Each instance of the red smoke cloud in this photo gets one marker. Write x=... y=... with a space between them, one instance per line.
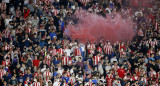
x=92 y=27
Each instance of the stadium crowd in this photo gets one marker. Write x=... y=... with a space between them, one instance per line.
x=35 y=52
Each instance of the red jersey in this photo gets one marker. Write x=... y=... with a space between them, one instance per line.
x=6 y=62
x=47 y=73
x=96 y=59
x=28 y=30
x=65 y=60
x=91 y=46
x=7 y=47
x=26 y=82
x=91 y=51
x=152 y=74
x=77 y=52
x=2 y=72
x=36 y=74
x=55 y=12
x=149 y=53
x=99 y=49
x=121 y=72
x=60 y=51
x=36 y=84
x=158 y=75
x=84 y=2
x=26 y=13
x=122 y=54
x=120 y=47
x=36 y=63
x=134 y=78
x=6 y=33
x=48 y=60
x=108 y=49
x=109 y=81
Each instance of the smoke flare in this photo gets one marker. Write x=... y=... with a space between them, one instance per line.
x=93 y=27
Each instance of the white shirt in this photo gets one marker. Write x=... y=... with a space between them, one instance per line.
x=108 y=68
x=7 y=21
x=83 y=47
x=43 y=69
x=109 y=10
x=100 y=68
x=56 y=83
x=113 y=59
x=60 y=71
x=73 y=48
x=68 y=51
x=73 y=79
x=138 y=12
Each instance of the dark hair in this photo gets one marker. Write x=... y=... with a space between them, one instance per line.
x=7 y=57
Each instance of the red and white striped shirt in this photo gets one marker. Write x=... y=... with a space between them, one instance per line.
x=99 y=49
x=134 y=78
x=28 y=30
x=55 y=12
x=48 y=59
x=72 y=80
x=84 y=2
x=144 y=80
x=27 y=81
x=65 y=60
x=108 y=49
x=68 y=74
x=7 y=55
x=36 y=84
x=6 y=62
x=7 y=47
x=154 y=43
x=156 y=26
x=91 y=51
x=47 y=1
x=115 y=68
x=152 y=73
x=47 y=73
x=60 y=51
x=127 y=78
x=91 y=46
x=109 y=81
x=109 y=76
x=45 y=8
x=158 y=75
x=6 y=33
x=122 y=54
x=77 y=52
x=88 y=84
x=96 y=59
x=36 y=74
x=150 y=52
x=2 y=72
